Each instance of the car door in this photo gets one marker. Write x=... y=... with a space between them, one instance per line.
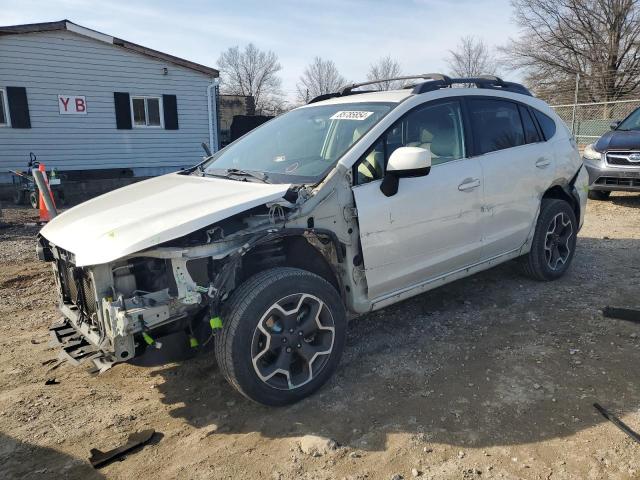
x=517 y=168
x=430 y=226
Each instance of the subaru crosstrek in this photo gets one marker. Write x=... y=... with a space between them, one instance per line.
x=346 y=205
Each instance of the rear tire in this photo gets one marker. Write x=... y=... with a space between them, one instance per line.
x=554 y=241
x=599 y=195
x=283 y=334
x=19 y=197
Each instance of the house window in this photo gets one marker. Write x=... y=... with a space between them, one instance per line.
x=4 y=109
x=146 y=111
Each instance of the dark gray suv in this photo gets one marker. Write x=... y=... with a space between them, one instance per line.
x=613 y=162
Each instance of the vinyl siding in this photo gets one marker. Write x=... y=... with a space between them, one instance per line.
x=53 y=63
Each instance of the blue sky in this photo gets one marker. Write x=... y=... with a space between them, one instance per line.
x=353 y=33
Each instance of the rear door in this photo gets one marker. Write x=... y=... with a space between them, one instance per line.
x=517 y=166
x=430 y=226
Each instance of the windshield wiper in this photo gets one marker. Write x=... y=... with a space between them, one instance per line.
x=247 y=173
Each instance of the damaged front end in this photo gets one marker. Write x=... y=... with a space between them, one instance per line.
x=113 y=312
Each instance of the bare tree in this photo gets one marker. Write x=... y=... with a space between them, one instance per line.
x=385 y=67
x=597 y=39
x=252 y=71
x=471 y=58
x=320 y=77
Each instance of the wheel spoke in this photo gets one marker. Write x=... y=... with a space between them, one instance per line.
x=309 y=352
x=310 y=323
x=280 y=364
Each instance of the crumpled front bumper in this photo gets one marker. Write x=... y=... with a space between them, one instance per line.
x=607 y=178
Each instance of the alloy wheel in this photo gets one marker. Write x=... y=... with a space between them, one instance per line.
x=293 y=341
x=557 y=247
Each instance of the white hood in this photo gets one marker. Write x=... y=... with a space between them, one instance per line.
x=151 y=212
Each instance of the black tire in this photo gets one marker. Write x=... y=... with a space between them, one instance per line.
x=599 y=195
x=552 y=249
x=19 y=197
x=243 y=350
x=33 y=200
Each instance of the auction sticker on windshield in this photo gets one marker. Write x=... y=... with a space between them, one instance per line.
x=351 y=115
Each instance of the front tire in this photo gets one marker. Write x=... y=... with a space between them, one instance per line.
x=599 y=195
x=554 y=241
x=283 y=334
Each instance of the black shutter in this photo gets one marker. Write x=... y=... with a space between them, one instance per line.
x=18 y=107
x=123 y=110
x=170 y=108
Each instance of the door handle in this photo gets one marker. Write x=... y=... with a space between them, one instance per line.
x=543 y=162
x=469 y=184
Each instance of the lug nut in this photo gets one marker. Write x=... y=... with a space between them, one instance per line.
x=288 y=349
x=299 y=346
x=284 y=340
x=291 y=330
x=299 y=334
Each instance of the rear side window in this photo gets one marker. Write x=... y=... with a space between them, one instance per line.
x=546 y=123
x=496 y=125
x=531 y=134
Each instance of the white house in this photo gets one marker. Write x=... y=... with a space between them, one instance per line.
x=83 y=101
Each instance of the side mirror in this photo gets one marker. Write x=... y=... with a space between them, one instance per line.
x=405 y=162
x=613 y=125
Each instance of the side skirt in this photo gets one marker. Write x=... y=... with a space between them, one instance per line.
x=424 y=286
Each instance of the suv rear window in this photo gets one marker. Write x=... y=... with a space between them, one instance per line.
x=496 y=125
x=546 y=123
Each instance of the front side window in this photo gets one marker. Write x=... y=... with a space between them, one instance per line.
x=301 y=145
x=4 y=114
x=146 y=111
x=436 y=127
x=496 y=125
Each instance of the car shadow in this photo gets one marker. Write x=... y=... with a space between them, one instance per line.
x=626 y=200
x=28 y=461
x=493 y=359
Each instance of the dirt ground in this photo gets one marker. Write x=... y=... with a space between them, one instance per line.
x=493 y=376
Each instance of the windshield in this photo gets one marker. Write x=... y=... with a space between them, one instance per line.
x=299 y=146
x=632 y=122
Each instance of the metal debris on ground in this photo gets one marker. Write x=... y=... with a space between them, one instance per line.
x=99 y=458
x=628 y=314
x=617 y=422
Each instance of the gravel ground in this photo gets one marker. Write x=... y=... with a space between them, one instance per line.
x=493 y=376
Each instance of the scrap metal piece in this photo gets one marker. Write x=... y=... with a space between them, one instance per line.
x=628 y=314
x=99 y=458
x=617 y=422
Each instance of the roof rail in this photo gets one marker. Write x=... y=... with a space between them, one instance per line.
x=433 y=81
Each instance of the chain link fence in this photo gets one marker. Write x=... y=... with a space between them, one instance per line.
x=588 y=121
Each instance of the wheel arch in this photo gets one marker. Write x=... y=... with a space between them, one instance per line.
x=309 y=250
x=564 y=192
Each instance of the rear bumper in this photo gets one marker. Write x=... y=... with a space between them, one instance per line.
x=606 y=178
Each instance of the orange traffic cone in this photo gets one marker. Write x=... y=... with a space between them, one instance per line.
x=44 y=213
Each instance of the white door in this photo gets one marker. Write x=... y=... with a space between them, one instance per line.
x=517 y=167
x=430 y=226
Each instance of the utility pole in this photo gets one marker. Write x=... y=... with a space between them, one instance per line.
x=575 y=106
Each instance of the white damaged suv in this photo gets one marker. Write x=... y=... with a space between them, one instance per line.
x=351 y=203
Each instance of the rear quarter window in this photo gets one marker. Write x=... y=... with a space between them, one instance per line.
x=496 y=125
x=547 y=124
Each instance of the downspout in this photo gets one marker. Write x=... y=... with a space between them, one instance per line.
x=212 y=107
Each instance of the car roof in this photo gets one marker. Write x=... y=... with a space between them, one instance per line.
x=388 y=96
